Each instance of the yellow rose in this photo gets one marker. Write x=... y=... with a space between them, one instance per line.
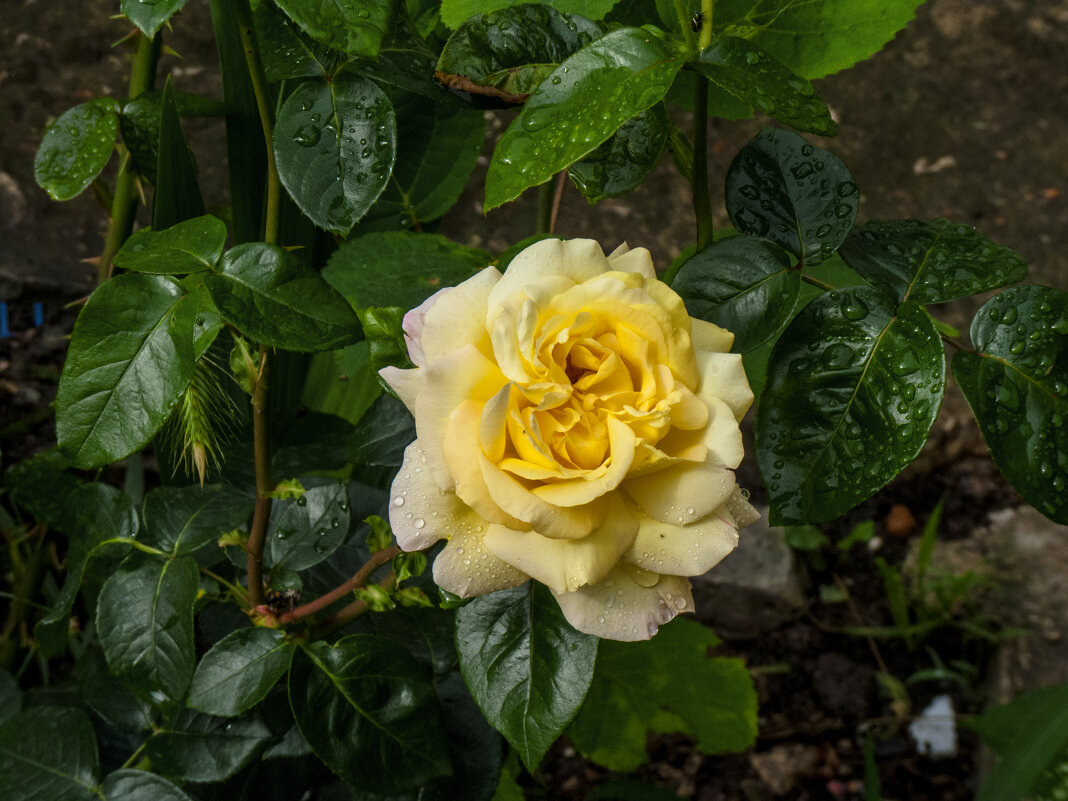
x=576 y=426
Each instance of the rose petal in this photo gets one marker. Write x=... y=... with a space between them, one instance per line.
x=684 y=550
x=741 y=510
x=406 y=383
x=710 y=337
x=626 y=260
x=459 y=317
x=578 y=491
x=576 y=259
x=723 y=377
x=619 y=608
x=412 y=325
x=682 y=493
x=563 y=564
x=449 y=381
x=419 y=511
x=466 y=567
x=721 y=438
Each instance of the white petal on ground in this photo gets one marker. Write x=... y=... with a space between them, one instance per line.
x=563 y=564
x=684 y=550
x=683 y=493
x=620 y=608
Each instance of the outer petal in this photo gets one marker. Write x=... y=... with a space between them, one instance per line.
x=621 y=608
x=721 y=437
x=413 y=327
x=576 y=259
x=709 y=336
x=466 y=567
x=723 y=377
x=682 y=493
x=459 y=317
x=684 y=550
x=626 y=260
x=420 y=513
x=563 y=564
x=406 y=383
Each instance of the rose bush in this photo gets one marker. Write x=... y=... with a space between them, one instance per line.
x=576 y=426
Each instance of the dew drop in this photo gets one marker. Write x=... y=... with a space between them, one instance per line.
x=418 y=522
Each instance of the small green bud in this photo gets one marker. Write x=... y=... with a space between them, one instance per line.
x=380 y=536
x=376 y=598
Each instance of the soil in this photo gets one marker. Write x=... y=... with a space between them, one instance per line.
x=964 y=115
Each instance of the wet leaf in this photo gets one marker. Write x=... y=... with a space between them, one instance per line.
x=287 y=51
x=795 y=194
x=508 y=52
x=1017 y=385
x=623 y=162
x=76 y=147
x=744 y=284
x=353 y=28
x=272 y=297
x=130 y=358
x=194 y=747
x=399 y=269
x=139 y=122
x=335 y=144
x=582 y=103
x=187 y=247
x=454 y=12
x=746 y=71
x=177 y=196
x=149 y=15
x=138 y=785
x=369 y=712
x=854 y=385
x=526 y=667
x=307 y=530
x=239 y=671
x=48 y=753
x=183 y=519
x=929 y=261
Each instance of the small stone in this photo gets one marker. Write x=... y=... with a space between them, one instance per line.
x=900 y=522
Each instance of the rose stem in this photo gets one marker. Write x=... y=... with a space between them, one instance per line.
x=348 y=614
x=264 y=483
x=359 y=579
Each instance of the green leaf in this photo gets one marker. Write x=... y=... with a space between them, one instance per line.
x=201 y=748
x=854 y=385
x=10 y=696
x=137 y=785
x=149 y=15
x=99 y=512
x=368 y=712
x=746 y=71
x=819 y=37
x=177 y=196
x=130 y=357
x=404 y=60
x=1028 y=734
x=795 y=194
x=286 y=51
x=506 y=53
x=383 y=433
x=48 y=753
x=270 y=296
x=182 y=519
x=623 y=162
x=239 y=671
x=113 y=702
x=1017 y=385
x=353 y=28
x=76 y=147
x=341 y=382
x=437 y=148
x=929 y=261
x=599 y=88
x=667 y=684
x=526 y=667
x=307 y=530
x=335 y=143
x=41 y=485
x=454 y=12
x=187 y=247
x=744 y=284
x=144 y=619
x=139 y=121
x=399 y=269
x=208 y=321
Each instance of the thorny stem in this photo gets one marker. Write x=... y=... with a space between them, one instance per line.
x=124 y=200
x=348 y=614
x=262 y=455
x=359 y=579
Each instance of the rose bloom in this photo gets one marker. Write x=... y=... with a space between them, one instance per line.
x=574 y=425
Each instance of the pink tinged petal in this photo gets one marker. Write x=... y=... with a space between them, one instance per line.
x=625 y=605
x=582 y=490
x=458 y=318
x=683 y=493
x=723 y=377
x=626 y=260
x=567 y=564
x=406 y=383
x=412 y=325
x=710 y=337
x=419 y=511
x=684 y=550
x=466 y=567
x=462 y=375
x=462 y=454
